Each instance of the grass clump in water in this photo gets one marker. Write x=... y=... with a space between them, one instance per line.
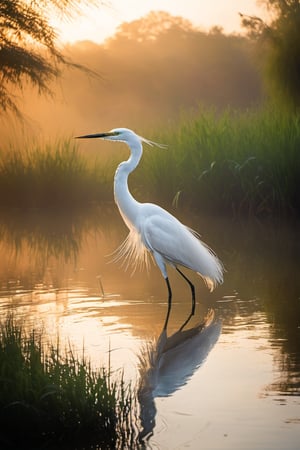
x=51 y=176
x=52 y=399
x=236 y=163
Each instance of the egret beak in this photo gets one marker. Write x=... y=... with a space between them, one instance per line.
x=94 y=136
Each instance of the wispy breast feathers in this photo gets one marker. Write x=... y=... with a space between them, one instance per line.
x=133 y=252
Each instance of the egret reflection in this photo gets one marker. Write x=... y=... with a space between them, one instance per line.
x=168 y=363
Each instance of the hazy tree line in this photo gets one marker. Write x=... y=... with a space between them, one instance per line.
x=151 y=70
x=279 y=49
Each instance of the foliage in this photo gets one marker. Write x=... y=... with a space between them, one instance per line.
x=235 y=163
x=28 y=50
x=141 y=83
x=151 y=27
x=281 y=48
x=53 y=398
x=200 y=55
x=55 y=176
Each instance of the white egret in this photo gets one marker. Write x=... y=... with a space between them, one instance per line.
x=153 y=230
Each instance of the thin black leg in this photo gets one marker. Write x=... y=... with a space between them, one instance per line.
x=193 y=297
x=169 y=302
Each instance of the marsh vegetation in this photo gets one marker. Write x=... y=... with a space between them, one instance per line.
x=233 y=137
x=52 y=284
x=51 y=397
x=232 y=163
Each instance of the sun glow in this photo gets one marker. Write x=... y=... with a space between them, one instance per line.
x=98 y=23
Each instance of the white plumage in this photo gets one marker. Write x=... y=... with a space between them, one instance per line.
x=153 y=230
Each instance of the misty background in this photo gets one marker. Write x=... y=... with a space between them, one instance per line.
x=151 y=70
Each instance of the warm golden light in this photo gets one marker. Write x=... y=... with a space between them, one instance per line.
x=96 y=24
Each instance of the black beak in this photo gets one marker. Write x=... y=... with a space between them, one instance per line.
x=93 y=136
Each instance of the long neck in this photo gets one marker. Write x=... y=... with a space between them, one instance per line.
x=123 y=198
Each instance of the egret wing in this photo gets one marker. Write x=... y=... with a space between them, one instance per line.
x=164 y=234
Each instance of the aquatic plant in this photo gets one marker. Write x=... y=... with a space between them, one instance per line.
x=234 y=163
x=50 y=397
x=51 y=176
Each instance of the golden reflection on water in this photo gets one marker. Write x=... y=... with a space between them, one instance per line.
x=56 y=275
x=168 y=362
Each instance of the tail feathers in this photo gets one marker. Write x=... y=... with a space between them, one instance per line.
x=213 y=275
x=205 y=262
x=212 y=283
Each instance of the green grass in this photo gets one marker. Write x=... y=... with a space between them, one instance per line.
x=51 y=176
x=54 y=399
x=233 y=163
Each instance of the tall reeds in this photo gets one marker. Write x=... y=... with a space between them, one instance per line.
x=53 y=398
x=51 y=176
x=238 y=163
x=235 y=163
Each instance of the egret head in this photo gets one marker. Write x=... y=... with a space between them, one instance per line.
x=117 y=134
x=120 y=134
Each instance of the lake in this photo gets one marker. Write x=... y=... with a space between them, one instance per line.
x=229 y=380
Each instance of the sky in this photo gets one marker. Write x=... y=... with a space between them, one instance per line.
x=98 y=23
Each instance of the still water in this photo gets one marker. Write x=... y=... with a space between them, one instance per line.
x=229 y=380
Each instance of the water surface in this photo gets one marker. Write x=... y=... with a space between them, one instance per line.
x=233 y=384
